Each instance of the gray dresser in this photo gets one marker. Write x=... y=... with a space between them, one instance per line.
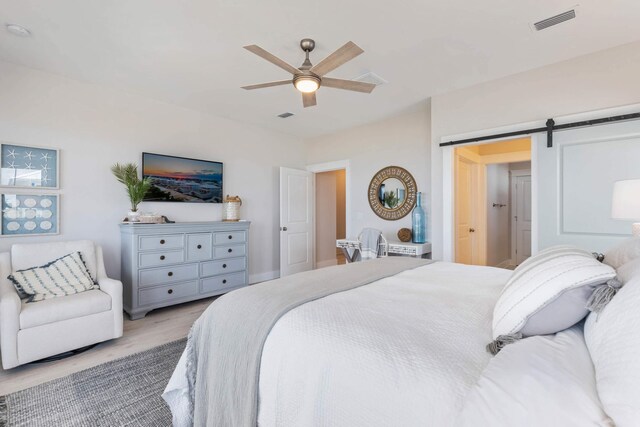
x=167 y=264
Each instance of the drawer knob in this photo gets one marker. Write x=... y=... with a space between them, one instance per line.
x=224 y=265
x=170 y=291
x=162 y=242
x=170 y=273
x=230 y=237
x=199 y=246
x=224 y=281
x=230 y=250
x=161 y=257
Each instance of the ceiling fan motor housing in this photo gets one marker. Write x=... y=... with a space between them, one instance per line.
x=307 y=44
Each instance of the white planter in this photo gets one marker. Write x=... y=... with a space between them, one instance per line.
x=133 y=216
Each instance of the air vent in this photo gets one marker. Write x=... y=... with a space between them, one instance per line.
x=555 y=20
x=285 y=115
x=371 y=77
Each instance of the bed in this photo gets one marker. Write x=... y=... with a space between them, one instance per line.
x=403 y=350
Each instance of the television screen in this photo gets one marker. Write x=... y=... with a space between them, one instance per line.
x=178 y=179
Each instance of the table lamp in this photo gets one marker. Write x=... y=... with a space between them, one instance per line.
x=626 y=202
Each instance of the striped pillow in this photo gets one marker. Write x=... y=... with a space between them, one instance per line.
x=549 y=292
x=64 y=276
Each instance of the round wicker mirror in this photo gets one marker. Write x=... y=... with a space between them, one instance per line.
x=392 y=193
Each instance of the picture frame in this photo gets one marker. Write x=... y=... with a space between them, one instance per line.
x=26 y=214
x=27 y=166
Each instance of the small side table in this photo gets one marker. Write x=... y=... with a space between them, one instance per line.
x=416 y=250
x=345 y=245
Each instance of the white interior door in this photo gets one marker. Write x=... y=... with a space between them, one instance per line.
x=522 y=217
x=296 y=221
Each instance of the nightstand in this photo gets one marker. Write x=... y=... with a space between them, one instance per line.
x=416 y=250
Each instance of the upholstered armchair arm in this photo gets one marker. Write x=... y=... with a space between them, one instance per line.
x=10 y=306
x=111 y=287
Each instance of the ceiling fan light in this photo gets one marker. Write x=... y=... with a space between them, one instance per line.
x=307 y=84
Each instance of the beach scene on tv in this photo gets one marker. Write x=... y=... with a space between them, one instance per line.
x=176 y=179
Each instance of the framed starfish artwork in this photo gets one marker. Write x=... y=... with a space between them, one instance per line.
x=28 y=167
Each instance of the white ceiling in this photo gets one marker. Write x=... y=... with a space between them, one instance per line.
x=190 y=52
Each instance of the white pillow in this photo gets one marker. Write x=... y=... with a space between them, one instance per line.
x=549 y=292
x=624 y=252
x=613 y=339
x=538 y=381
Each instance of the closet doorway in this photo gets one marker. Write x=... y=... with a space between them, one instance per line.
x=492 y=203
x=331 y=217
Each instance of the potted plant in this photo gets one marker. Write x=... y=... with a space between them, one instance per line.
x=127 y=174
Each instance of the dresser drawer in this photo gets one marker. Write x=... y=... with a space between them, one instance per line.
x=218 y=283
x=229 y=238
x=176 y=273
x=228 y=251
x=155 y=259
x=199 y=246
x=170 y=241
x=212 y=268
x=162 y=294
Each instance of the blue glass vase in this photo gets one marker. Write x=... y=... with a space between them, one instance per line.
x=418 y=222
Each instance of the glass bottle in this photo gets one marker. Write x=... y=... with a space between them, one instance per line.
x=418 y=222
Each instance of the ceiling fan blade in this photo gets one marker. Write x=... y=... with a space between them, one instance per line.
x=348 y=85
x=309 y=99
x=271 y=58
x=346 y=53
x=261 y=85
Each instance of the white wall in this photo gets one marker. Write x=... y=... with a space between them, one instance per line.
x=95 y=127
x=593 y=82
x=498 y=233
x=399 y=141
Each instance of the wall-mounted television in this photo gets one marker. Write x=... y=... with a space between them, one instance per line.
x=179 y=179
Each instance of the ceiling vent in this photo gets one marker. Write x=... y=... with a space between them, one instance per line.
x=555 y=20
x=285 y=115
x=372 y=78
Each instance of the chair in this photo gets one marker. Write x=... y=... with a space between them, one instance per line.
x=359 y=252
x=37 y=330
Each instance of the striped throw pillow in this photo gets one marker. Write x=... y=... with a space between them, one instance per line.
x=64 y=276
x=549 y=292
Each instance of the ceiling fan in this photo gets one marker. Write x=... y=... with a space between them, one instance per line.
x=308 y=77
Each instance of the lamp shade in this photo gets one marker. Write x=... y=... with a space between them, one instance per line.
x=626 y=200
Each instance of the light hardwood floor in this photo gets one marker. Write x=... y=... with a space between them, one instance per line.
x=158 y=327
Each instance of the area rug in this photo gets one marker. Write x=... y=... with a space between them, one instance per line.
x=123 y=392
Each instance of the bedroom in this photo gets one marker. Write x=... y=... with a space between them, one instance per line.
x=103 y=83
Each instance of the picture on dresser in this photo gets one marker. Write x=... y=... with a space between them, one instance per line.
x=28 y=167
x=30 y=214
x=180 y=179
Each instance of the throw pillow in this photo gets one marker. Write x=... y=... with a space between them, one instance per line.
x=546 y=294
x=64 y=276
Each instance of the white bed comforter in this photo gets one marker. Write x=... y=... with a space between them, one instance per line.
x=402 y=351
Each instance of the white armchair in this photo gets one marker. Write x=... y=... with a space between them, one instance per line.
x=41 y=329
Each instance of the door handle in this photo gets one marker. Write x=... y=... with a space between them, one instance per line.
x=283 y=228
x=472 y=230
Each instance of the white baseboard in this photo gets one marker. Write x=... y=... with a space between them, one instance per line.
x=263 y=277
x=327 y=263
